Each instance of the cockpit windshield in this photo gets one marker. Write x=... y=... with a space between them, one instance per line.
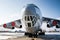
x=30 y=18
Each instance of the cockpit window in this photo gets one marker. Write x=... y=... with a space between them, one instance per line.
x=28 y=18
x=29 y=24
x=25 y=18
x=31 y=18
x=34 y=20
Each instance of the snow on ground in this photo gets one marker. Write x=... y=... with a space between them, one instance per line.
x=6 y=37
x=15 y=35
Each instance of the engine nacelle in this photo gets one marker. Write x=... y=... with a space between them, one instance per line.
x=9 y=25
x=52 y=23
x=57 y=26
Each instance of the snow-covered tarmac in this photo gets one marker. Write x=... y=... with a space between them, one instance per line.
x=4 y=36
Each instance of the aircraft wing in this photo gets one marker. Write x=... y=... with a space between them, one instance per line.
x=13 y=24
x=51 y=22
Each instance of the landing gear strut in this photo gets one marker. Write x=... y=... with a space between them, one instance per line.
x=34 y=35
x=31 y=35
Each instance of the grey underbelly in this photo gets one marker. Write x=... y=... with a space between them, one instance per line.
x=31 y=29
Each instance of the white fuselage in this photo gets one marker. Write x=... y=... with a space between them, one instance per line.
x=32 y=18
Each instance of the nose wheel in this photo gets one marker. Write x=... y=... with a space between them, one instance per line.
x=33 y=39
x=31 y=35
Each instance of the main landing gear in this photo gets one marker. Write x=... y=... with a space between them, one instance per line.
x=35 y=35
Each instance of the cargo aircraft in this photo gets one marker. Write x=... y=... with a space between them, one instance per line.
x=32 y=20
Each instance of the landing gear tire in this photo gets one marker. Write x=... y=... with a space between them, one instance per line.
x=35 y=36
x=30 y=35
x=12 y=27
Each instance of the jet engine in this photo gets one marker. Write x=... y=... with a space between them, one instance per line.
x=10 y=25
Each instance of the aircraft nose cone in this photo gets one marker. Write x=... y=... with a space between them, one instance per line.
x=30 y=9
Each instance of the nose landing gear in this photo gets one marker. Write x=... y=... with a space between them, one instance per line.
x=31 y=35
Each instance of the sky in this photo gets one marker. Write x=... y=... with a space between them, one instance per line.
x=11 y=9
